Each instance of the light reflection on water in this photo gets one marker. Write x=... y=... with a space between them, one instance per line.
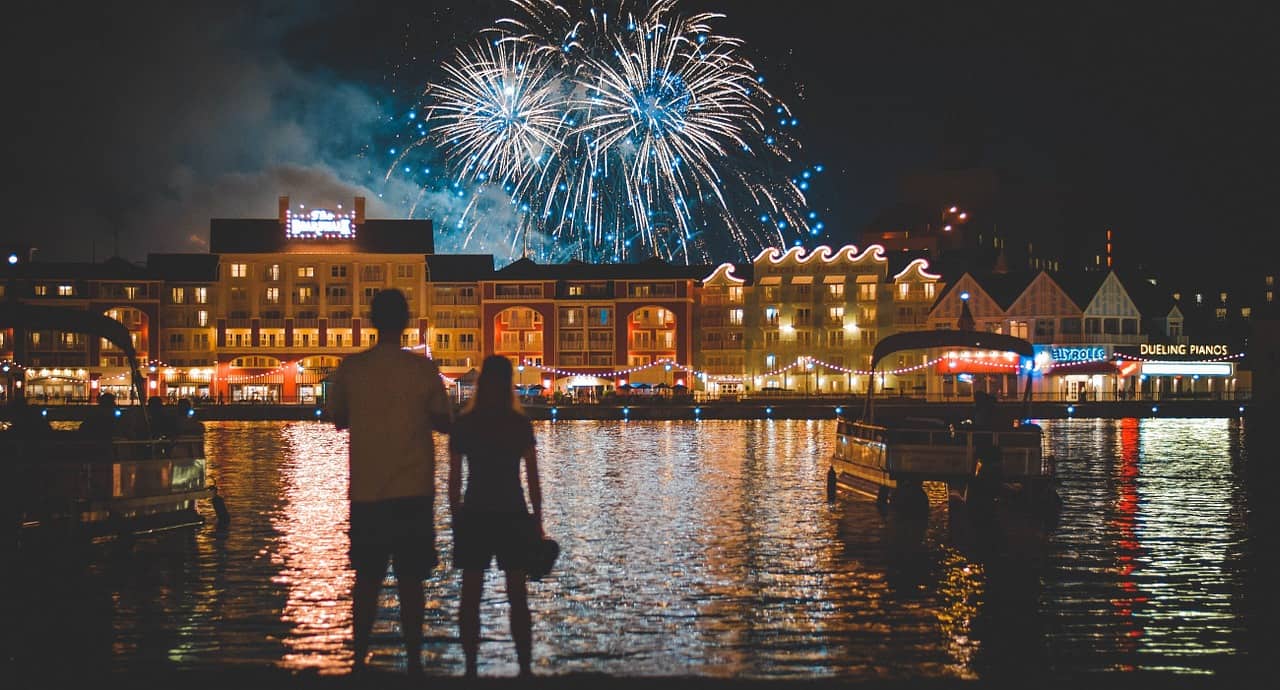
x=701 y=548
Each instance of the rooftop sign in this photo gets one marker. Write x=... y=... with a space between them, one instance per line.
x=320 y=224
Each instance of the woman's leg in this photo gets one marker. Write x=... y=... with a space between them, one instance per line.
x=521 y=620
x=469 y=616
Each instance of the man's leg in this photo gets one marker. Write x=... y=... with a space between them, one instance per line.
x=412 y=603
x=364 y=608
x=521 y=620
x=469 y=616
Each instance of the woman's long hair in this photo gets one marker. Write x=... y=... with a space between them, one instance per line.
x=495 y=388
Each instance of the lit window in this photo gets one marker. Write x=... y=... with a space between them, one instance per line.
x=1246 y=311
x=735 y=317
x=1222 y=296
x=929 y=289
x=202 y=318
x=903 y=290
x=239 y=270
x=273 y=295
x=42 y=290
x=201 y=295
x=273 y=272
x=335 y=271
x=66 y=291
x=131 y=291
x=178 y=295
x=305 y=272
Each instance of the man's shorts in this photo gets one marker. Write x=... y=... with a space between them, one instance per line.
x=479 y=536
x=399 y=530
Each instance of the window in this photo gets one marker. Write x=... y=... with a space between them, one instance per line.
x=770 y=361
x=770 y=338
x=1044 y=328
x=1222 y=297
x=804 y=338
x=1111 y=326
x=804 y=292
x=600 y=316
x=373 y=273
x=835 y=339
x=770 y=293
x=929 y=290
x=735 y=317
x=1270 y=281
x=176 y=341
x=735 y=293
x=1092 y=326
x=132 y=291
x=1220 y=313
x=575 y=291
x=904 y=290
x=1128 y=326
x=239 y=270
x=640 y=290
x=66 y=290
x=804 y=317
x=835 y=315
x=369 y=293
x=178 y=295
x=200 y=341
x=239 y=294
x=305 y=272
x=338 y=271
x=306 y=294
x=1071 y=326
x=771 y=316
x=867 y=291
x=835 y=290
x=201 y=295
x=1018 y=329
x=466 y=341
x=1270 y=295
x=42 y=290
x=273 y=272
x=371 y=339
x=202 y=318
x=273 y=295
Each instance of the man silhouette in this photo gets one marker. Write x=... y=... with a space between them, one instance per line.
x=391 y=400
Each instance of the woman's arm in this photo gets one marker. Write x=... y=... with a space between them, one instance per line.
x=455 y=482
x=535 y=484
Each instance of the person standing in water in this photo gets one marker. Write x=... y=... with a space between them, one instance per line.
x=494 y=435
x=391 y=400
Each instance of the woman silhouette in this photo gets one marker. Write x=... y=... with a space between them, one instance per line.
x=493 y=434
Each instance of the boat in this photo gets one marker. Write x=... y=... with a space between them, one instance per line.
x=64 y=485
x=984 y=463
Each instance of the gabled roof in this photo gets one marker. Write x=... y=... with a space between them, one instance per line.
x=195 y=268
x=1080 y=286
x=1151 y=301
x=459 y=268
x=657 y=269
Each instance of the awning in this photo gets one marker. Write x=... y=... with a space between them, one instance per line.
x=832 y=279
x=1082 y=368
x=802 y=280
x=770 y=280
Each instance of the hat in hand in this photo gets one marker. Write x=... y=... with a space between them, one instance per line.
x=545 y=552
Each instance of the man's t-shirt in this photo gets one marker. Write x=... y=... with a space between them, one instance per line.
x=388 y=396
x=492 y=445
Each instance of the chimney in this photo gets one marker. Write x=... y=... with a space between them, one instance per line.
x=359 y=210
x=284 y=209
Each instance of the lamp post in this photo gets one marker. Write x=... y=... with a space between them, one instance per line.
x=808 y=365
x=667 y=366
x=520 y=379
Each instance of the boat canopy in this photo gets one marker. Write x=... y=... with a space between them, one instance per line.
x=30 y=317
x=918 y=340
x=24 y=318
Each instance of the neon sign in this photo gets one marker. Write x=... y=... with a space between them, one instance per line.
x=1077 y=354
x=320 y=224
x=1182 y=349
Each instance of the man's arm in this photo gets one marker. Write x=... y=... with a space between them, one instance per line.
x=337 y=402
x=438 y=407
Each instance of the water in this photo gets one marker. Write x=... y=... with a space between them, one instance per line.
x=697 y=548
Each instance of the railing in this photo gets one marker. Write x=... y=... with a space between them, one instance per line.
x=339 y=300
x=306 y=323
x=339 y=322
x=271 y=323
x=454 y=299
x=238 y=323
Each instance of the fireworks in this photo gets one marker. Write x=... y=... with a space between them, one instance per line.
x=618 y=136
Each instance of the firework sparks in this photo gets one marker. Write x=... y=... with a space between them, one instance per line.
x=620 y=135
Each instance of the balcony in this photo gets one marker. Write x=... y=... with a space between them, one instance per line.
x=271 y=323
x=600 y=345
x=446 y=299
x=339 y=300
x=238 y=323
x=306 y=323
x=457 y=322
x=573 y=345
x=339 y=322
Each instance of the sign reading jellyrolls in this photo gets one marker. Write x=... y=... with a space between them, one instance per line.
x=1077 y=354
x=1182 y=350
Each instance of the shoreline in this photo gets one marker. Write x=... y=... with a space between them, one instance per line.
x=765 y=409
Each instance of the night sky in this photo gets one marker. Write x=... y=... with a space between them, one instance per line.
x=134 y=125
